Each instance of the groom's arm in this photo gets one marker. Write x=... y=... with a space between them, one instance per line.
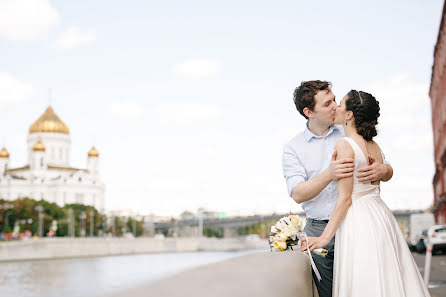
x=307 y=190
x=302 y=189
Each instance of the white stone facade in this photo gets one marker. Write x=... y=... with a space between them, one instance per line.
x=48 y=175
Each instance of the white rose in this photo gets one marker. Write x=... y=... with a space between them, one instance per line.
x=274 y=229
x=285 y=220
x=289 y=230
x=295 y=220
x=280 y=245
x=281 y=237
x=279 y=226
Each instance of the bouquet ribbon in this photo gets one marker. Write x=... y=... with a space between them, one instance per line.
x=313 y=265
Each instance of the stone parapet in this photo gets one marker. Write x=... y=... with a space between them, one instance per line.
x=267 y=274
x=59 y=248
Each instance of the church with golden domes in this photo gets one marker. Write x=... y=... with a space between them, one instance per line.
x=48 y=174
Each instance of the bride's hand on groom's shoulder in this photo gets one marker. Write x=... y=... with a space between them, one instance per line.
x=313 y=243
x=341 y=168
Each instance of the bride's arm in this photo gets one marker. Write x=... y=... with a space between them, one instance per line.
x=345 y=188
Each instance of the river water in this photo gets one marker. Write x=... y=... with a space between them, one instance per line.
x=96 y=276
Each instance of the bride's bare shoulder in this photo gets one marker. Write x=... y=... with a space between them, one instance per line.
x=372 y=144
x=374 y=150
x=344 y=149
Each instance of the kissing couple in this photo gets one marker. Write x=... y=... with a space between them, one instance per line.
x=333 y=169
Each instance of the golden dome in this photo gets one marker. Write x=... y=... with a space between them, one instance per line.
x=49 y=121
x=4 y=153
x=38 y=146
x=93 y=152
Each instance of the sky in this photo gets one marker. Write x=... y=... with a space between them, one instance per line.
x=189 y=103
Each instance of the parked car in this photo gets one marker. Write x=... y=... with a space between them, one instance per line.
x=418 y=224
x=437 y=236
x=420 y=247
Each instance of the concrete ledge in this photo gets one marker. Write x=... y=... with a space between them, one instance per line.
x=59 y=248
x=268 y=274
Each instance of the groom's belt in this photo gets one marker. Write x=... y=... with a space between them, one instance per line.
x=317 y=221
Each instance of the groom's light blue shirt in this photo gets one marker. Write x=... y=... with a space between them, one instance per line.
x=304 y=157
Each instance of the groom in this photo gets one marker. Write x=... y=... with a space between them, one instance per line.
x=310 y=167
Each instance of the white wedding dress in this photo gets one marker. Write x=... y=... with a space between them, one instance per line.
x=371 y=255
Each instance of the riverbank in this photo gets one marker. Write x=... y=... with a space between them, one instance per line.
x=65 y=248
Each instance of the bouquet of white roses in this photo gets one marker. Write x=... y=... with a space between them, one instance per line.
x=287 y=233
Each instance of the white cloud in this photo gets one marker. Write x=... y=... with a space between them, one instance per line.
x=12 y=90
x=197 y=68
x=186 y=112
x=26 y=19
x=74 y=37
x=126 y=110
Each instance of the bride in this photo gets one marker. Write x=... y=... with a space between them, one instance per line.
x=371 y=255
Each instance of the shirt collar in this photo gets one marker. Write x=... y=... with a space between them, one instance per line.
x=309 y=135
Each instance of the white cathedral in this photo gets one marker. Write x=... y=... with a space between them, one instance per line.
x=48 y=175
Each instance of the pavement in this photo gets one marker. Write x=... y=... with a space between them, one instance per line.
x=437 y=280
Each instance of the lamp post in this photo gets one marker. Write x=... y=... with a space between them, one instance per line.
x=200 y=225
x=39 y=209
x=83 y=218
x=113 y=226
x=70 y=223
x=104 y=225
x=91 y=223
x=134 y=226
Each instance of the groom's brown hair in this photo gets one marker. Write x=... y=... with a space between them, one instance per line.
x=304 y=94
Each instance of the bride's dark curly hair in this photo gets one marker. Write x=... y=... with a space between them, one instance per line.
x=365 y=108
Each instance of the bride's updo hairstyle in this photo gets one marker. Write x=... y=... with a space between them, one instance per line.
x=365 y=109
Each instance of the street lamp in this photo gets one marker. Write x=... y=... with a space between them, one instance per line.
x=135 y=221
x=83 y=220
x=113 y=226
x=104 y=225
x=70 y=223
x=39 y=209
x=134 y=226
x=91 y=222
x=200 y=225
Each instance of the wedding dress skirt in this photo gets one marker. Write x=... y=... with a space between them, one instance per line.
x=371 y=255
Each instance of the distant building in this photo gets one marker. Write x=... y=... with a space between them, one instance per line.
x=437 y=94
x=121 y=213
x=48 y=174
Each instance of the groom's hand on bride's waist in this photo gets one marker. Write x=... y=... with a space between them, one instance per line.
x=341 y=168
x=373 y=172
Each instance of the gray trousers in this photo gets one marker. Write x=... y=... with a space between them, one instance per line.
x=324 y=265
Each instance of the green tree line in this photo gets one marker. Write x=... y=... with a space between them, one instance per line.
x=21 y=210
